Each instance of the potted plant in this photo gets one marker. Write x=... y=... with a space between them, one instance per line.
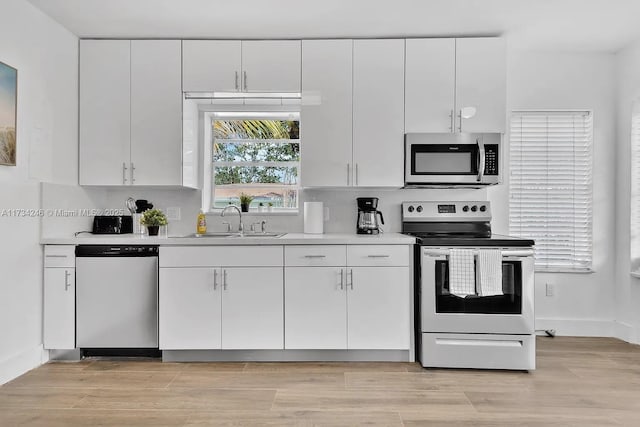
x=260 y=207
x=245 y=201
x=153 y=219
x=270 y=207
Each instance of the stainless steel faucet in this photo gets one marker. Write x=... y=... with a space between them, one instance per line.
x=240 y=225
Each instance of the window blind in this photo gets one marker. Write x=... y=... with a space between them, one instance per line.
x=550 y=193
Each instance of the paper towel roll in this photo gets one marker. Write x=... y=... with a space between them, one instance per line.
x=313 y=217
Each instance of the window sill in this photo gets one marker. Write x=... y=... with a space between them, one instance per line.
x=565 y=270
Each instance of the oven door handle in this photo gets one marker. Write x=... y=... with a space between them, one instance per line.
x=505 y=252
x=481 y=159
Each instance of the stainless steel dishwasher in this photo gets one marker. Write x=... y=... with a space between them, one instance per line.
x=117 y=297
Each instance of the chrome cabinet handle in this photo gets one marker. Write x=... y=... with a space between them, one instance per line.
x=133 y=168
x=55 y=256
x=315 y=256
x=451 y=123
x=348 y=172
x=124 y=173
x=237 y=85
x=350 y=274
x=245 y=81
x=215 y=279
x=224 y=279
x=460 y=123
x=378 y=256
x=66 y=280
x=342 y=279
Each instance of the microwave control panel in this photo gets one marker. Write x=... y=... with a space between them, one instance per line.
x=491 y=159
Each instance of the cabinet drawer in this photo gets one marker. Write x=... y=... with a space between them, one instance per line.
x=60 y=256
x=377 y=255
x=315 y=255
x=221 y=256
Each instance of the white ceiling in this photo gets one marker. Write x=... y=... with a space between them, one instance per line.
x=582 y=25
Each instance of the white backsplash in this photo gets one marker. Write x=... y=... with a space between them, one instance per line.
x=340 y=203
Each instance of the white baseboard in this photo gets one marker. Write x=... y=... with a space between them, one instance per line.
x=23 y=362
x=625 y=332
x=578 y=327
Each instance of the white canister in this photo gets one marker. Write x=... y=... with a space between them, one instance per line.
x=313 y=217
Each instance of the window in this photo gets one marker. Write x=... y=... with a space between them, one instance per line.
x=257 y=154
x=550 y=193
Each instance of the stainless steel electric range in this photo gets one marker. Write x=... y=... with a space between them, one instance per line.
x=474 y=289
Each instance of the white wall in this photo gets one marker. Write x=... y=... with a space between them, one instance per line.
x=583 y=304
x=45 y=55
x=627 y=287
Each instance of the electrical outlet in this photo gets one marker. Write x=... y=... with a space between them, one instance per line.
x=550 y=289
x=173 y=214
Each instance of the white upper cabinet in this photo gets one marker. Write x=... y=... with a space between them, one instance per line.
x=271 y=65
x=481 y=75
x=130 y=112
x=430 y=85
x=378 y=113
x=326 y=151
x=156 y=113
x=455 y=85
x=209 y=65
x=105 y=115
x=241 y=66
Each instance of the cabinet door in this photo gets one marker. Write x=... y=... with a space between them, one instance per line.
x=211 y=65
x=252 y=312
x=105 y=123
x=189 y=308
x=59 y=308
x=326 y=113
x=430 y=85
x=378 y=112
x=378 y=301
x=271 y=65
x=481 y=83
x=156 y=112
x=315 y=308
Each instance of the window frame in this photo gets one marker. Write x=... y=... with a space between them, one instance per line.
x=242 y=112
x=589 y=186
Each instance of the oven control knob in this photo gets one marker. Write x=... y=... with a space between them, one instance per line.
x=410 y=209
x=483 y=208
x=419 y=209
x=474 y=208
x=465 y=208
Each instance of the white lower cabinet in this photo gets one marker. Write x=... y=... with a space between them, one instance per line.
x=316 y=308
x=364 y=303
x=209 y=307
x=378 y=301
x=190 y=307
x=59 y=324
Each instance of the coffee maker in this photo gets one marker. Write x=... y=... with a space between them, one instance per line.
x=368 y=215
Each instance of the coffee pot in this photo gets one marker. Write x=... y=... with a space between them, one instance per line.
x=368 y=214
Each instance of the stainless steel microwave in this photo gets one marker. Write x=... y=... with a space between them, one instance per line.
x=452 y=159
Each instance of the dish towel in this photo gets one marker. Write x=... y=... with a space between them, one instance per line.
x=490 y=282
x=462 y=280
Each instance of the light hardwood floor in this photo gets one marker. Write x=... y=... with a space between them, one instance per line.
x=579 y=381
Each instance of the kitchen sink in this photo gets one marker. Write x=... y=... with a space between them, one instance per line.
x=232 y=235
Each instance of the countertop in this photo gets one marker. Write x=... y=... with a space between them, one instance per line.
x=287 y=239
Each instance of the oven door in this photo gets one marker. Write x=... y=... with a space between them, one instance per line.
x=509 y=313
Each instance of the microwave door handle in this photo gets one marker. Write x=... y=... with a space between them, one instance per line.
x=481 y=160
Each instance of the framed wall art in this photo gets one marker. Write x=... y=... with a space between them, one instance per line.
x=8 y=113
